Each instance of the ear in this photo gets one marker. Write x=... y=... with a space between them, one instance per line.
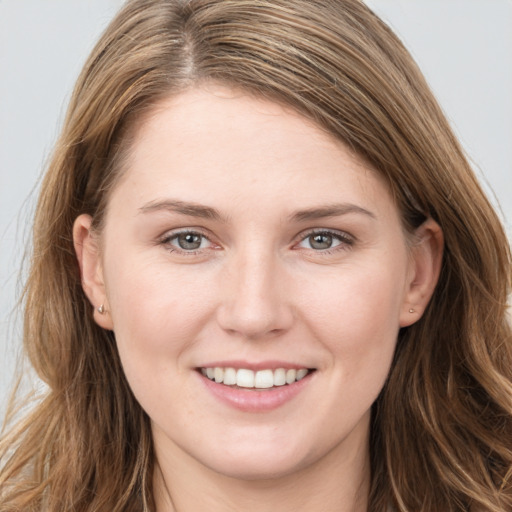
x=88 y=254
x=425 y=266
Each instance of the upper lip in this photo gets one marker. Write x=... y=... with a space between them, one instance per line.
x=255 y=366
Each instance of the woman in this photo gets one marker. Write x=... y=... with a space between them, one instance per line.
x=264 y=277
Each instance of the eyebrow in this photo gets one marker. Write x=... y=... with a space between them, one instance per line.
x=182 y=207
x=333 y=210
x=206 y=212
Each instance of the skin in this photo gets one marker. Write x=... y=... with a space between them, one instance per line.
x=258 y=288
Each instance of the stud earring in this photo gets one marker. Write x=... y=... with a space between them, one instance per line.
x=101 y=310
x=411 y=310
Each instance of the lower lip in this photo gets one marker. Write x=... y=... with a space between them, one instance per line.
x=253 y=400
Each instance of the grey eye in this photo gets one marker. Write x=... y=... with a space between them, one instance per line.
x=189 y=241
x=320 y=241
x=325 y=240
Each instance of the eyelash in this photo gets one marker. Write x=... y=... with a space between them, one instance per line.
x=345 y=241
x=168 y=238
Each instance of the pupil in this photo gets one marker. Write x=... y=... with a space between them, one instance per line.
x=189 y=241
x=321 y=241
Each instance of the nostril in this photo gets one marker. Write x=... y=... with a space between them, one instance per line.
x=255 y=323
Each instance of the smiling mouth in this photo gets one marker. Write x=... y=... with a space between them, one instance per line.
x=249 y=379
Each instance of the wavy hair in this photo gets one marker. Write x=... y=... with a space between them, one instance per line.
x=441 y=436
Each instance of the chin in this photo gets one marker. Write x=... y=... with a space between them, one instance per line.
x=251 y=471
x=258 y=463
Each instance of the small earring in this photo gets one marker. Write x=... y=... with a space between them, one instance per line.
x=411 y=310
x=101 y=310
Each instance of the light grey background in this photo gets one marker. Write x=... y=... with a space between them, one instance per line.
x=463 y=46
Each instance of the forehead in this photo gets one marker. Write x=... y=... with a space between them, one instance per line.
x=227 y=144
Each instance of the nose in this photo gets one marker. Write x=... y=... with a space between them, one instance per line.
x=254 y=302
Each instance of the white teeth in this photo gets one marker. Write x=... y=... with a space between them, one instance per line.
x=245 y=378
x=279 y=377
x=291 y=376
x=229 y=376
x=219 y=374
x=262 y=379
x=301 y=373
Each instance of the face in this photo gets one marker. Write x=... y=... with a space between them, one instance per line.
x=255 y=274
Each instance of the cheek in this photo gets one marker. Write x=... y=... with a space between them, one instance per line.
x=155 y=312
x=155 y=317
x=358 y=328
x=150 y=292
x=366 y=299
x=356 y=316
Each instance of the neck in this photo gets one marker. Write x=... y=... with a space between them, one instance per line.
x=335 y=483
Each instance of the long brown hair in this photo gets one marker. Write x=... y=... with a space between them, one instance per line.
x=442 y=427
